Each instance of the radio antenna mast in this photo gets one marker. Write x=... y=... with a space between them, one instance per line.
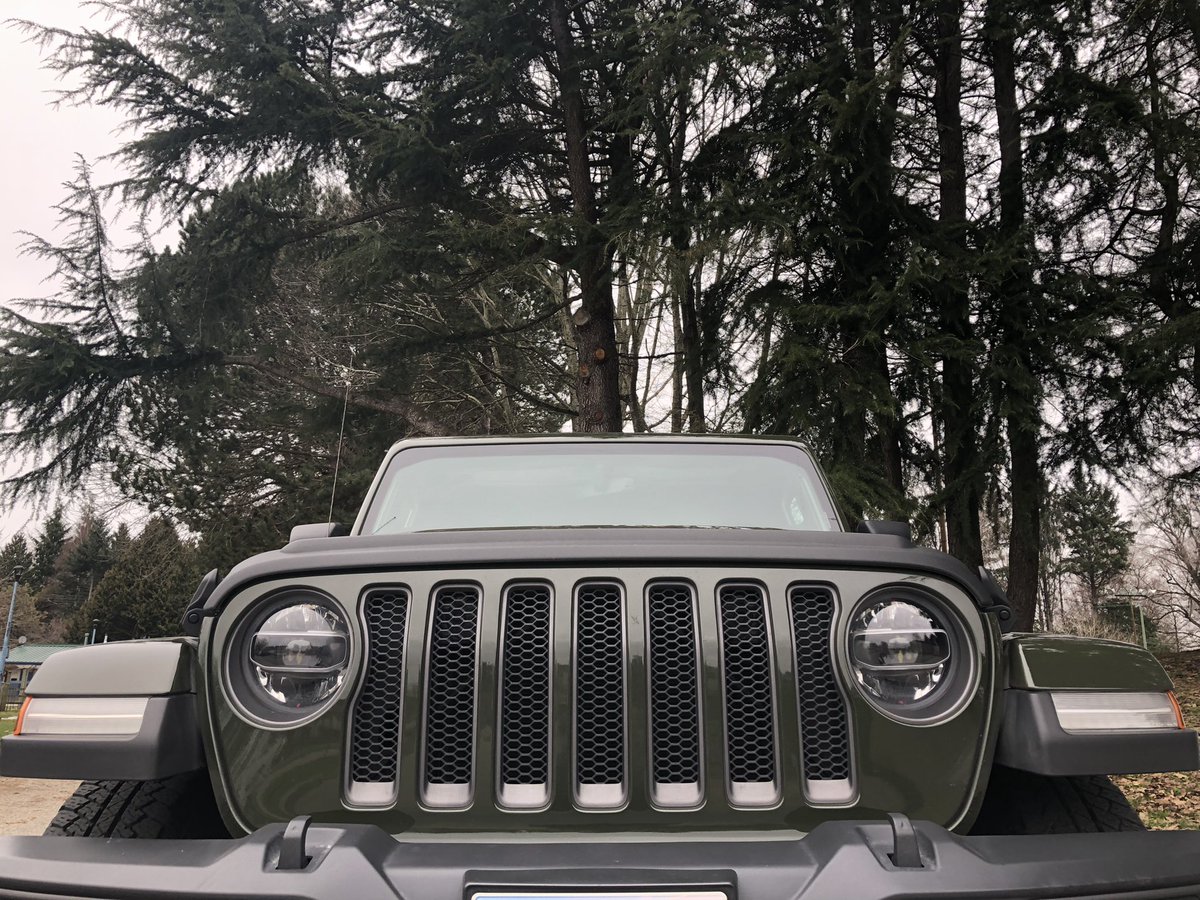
x=337 y=464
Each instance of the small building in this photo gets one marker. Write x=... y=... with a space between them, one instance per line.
x=23 y=663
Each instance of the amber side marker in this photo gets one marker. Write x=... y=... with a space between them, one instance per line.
x=1178 y=711
x=25 y=706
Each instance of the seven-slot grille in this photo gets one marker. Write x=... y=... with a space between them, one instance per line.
x=824 y=726
x=525 y=697
x=375 y=732
x=674 y=693
x=599 y=695
x=596 y=618
x=451 y=670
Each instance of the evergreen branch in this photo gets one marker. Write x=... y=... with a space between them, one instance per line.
x=409 y=412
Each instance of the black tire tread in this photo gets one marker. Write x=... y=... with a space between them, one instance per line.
x=178 y=807
x=1023 y=803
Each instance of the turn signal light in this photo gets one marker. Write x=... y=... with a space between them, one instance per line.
x=1116 y=710
x=82 y=715
x=1178 y=711
x=21 y=717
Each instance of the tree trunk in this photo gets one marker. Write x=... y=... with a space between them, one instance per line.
x=1021 y=394
x=684 y=285
x=1159 y=265
x=868 y=198
x=598 y=372
x=963 y=478
x=891 y=434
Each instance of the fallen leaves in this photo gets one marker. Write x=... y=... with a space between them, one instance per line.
x=1171 y=801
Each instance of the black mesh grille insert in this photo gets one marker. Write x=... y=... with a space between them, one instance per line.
x=599 y=685
x=525 y=686
x=375 y=735
x=824 y=731
x=450 y=706
x=674 y=695
x=749 y=708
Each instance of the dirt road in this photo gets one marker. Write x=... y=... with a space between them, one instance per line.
x=28 y=804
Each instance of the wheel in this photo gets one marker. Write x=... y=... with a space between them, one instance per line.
x=1023 y=803
x=177 y=807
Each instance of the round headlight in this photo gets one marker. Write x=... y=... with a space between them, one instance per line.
x=901 y=652
x=299 y=654
x=288 y=659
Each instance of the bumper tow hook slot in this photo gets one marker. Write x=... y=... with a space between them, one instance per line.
x=906 y=852
x=292 y=855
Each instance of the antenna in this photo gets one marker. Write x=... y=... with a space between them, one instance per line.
x=337 y=464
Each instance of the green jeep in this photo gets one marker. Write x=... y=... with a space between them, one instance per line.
x=568 y=667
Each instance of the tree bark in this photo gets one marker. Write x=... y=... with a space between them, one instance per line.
x=1021 y=394
x=684 y=284
x=1159 y=264
x=598 y=372
x=958 y=409
x=891 y=434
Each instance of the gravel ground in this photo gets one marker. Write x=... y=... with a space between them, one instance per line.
x=28 y=804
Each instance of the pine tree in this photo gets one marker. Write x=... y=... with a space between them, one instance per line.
x=47 y=548
x=82 y=562
x=1097 y=539
x=16 y=557
x=145 y=591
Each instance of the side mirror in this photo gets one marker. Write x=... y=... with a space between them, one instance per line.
x=878 y=526
x=319 y=530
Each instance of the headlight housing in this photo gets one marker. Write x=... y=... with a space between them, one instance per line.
x=908 y=654
x=288 y=658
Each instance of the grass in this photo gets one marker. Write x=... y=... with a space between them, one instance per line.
x=8 y=721
x=1171 y=800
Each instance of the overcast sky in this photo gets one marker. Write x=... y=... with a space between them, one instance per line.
x=37 y=156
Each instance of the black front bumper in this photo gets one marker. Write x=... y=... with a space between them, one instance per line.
x=836 y=860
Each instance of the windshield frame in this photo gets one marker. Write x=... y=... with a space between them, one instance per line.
x=789 y=451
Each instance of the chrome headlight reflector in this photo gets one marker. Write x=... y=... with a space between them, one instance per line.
x=299 y=654
x=908 y=654
x=288 y=659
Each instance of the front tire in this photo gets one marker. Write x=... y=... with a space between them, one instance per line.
x=1023 y=803
x=178 y=807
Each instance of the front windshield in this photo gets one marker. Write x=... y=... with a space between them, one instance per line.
x=544 y=484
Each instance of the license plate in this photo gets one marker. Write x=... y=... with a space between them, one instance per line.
x=595 y=895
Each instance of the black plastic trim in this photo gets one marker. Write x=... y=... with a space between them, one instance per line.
x=534 y=547
x=1032 y=739
x=193 y=615
x=835 y=860
x=883 y=526
x=997 y=601
x=167 y=744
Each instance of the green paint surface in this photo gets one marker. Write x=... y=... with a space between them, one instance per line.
x=930 y=771
x=1062 y=662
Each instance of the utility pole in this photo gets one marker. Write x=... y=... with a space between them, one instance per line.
x=12 y=606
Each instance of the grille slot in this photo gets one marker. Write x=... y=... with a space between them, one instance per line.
x=525 y=697
x=375 y=733
x=450 y=696
x=749 y=699
x=674 y=693
x=599 y=695
x=824 y=724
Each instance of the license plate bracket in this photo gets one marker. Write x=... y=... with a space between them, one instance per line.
x=542 y=894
